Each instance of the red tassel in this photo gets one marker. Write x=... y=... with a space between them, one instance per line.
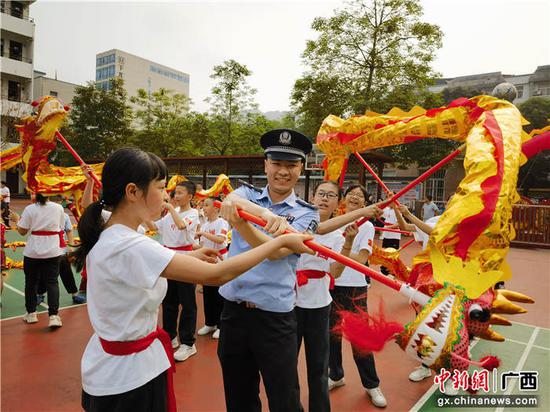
x=67 y=108
x=490 y=362
x=366 y=333
x=34 y=103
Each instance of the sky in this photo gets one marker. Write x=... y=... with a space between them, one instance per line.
x=511 y=36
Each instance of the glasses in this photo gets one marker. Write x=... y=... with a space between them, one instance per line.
x=328 y=195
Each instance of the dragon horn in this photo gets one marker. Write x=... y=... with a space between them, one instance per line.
x=490 y=334
x=502 y=305
x=515 y=296
x=499 y=320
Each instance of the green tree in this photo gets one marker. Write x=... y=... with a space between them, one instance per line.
x=537 y=111
x=371 y=46
x=167 y=126
x=100 y=120
x=232 y=98
x=536 y=172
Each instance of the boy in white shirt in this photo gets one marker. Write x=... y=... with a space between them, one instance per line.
x=213 y=234
x=178 y=228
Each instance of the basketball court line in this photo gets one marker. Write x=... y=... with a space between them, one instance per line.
x=521 y=363
x=44 y=305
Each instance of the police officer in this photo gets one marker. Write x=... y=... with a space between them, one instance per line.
x=258 y=324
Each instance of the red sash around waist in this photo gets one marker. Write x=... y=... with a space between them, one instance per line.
x=62 y=243
x=222 y=251
x=118 y=348
x=187 y=248
x=303 y=277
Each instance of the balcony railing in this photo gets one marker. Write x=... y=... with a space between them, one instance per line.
x=18 y=58
x=14 y=13
x=14 y=98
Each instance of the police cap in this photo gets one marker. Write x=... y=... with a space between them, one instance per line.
x=285 y=144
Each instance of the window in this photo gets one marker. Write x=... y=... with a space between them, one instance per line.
x=169 y=74
x=14 y=91
x=102 y=61
x=52 y=93
x=435 y=186
x=16 y=50
x=17 y=9
x=1 y=47
x=105 y=72
x=519 y=88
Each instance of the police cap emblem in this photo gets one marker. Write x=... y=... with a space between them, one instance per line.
x=285 y=138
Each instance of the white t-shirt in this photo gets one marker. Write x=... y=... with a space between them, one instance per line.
x=5 y=192
x=124 y=292
x=218 y=227
x=389 y=216
x=429 y=210
x=423 y=237
x=174 y=237
x=67 y=227
x=363 y=240
x=49 y=217
x=315 y=293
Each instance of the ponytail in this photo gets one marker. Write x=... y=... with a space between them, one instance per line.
x=90 y=226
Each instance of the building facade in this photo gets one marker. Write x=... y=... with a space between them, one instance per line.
x=138 y=73
x=45 y=86
x=16 y=67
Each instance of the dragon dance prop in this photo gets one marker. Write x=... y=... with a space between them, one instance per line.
x=10 y=158
x=38 y=134
x=467 y=248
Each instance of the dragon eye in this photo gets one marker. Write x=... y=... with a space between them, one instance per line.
x=479 y=314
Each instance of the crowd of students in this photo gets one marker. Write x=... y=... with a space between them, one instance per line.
x=277 y=295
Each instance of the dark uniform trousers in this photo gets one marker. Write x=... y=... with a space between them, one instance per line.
x=254 y=342
x=180 y=293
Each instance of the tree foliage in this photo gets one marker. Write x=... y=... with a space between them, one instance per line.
x=370 y=55
x=537 y=111
x=100 y=121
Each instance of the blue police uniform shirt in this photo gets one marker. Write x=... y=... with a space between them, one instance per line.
x=271 y=284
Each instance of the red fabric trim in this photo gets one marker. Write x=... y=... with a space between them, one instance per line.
x=62 y=243
x=537 y=144
x=471 y=227
x=223 y=251
x=119 y=348
x=303 y=276
x=187 y=248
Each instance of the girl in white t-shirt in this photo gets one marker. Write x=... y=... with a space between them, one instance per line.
x=349 y=293
x=213 y=235
x=128 y=361
x=45 y=221
x=315 y=276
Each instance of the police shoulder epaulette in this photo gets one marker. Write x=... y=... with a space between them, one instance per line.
x=306 y=204
x=250 y=186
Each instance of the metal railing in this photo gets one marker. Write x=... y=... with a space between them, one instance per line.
x=17 y=57
x=532 y=225
x=15 y=13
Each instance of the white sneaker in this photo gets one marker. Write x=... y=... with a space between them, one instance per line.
x=420 y=373
x=175 y=343
x=334 y=384
x=449 y=390
x=377 y=397
x=184 y=352
x=216 y=334
x=30 y=318
x=55 y=321
x=205 y=330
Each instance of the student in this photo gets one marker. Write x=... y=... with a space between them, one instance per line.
x=128 y=361
x=65 y=270
x=178 y=228
x=213 y=235
x=5 y=202
x=429 y=209
x=45 y=221
x=389 y=239
x=351 y=291
x=315 y=276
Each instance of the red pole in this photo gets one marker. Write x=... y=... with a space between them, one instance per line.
x=423 y=176
x=385 y=229
x=76 y=156
x=344 y=170
x=405 y=245
x=372 y=172
x=394 y=284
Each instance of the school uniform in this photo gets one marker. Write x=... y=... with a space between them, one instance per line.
x=44 y=246
x=213 y=302
x=124 y=293
x=389 y=239
x=179 y=293
x=312 y=309
x=350 y=292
